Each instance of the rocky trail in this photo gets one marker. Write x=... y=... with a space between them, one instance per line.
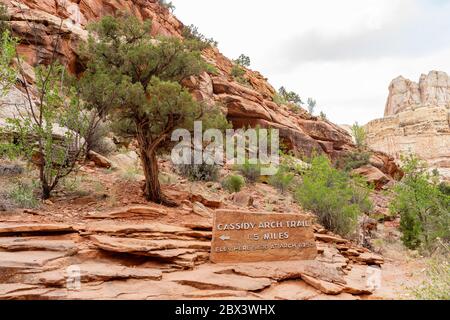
x=142 y=251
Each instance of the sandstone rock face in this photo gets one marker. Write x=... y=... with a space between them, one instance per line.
x=37 y=23
x=416 y=120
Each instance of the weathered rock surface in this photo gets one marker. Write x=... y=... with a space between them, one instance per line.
x=36 y=23
x=7 y=228
x=416 y=120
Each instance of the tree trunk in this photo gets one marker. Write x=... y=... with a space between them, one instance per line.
x=46 y=191
x=152 y=190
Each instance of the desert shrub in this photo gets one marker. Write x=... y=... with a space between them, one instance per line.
x=282 y=179
x=424 y=210
x=331 y=195
x=250 y=171
x=243 y=61
x=233 y=183
x=323 y=116
x=167 y=4
x=311 y=105
x=3 y=18
x=444 y=187
x=199 y=172
x=191 y=33
x=238 y=73
x=437 y=283
x=353 y=160
x=23 y=195
x=290 y=96
x=360 y=135
x=279 y=99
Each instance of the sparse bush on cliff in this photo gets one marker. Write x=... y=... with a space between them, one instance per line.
x=353 y=160
x=331 y=195
x=360 y=135
x=243 y=61
x=3 y=19
x=8 y=74
x=233 y=183
x=191 y=33
x=238 y=73
x=423 y=208
x=167 y=4
x=311 y=105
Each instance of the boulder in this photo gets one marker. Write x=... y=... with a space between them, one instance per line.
x=373 y=176
x=99 y=160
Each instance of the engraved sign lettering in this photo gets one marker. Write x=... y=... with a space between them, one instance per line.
x=253 y=237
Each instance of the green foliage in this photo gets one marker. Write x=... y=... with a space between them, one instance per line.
x=238 y=73
x=423 y=208
x=323 y=116
x=132 y=77
x=233 y=183
x=3 y=18
x=282 y=179
x=22 y=194
x=34 y=130
x=250 y=171
x=191 y=33
x=243 y=61
x=290 y=96
x=167 y=4
x=311 y=105
x=360 y=135
x=200 y=172
x=279 y=99
x=8 y=74
x=353 y=160
x=332 y=196
x=437 y=284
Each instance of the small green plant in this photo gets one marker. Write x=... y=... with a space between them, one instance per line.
x=282 y=179
x=437 y=284
x=233 y=183
x=167 y=4
x=353 y=160
x=290 y=97
x=423 y=208
x=359 y=134
x=8 y=74
x=243 y=61
x=3 y=18
x=191 y=33
x=238 y=73
x=331 y=195
x=279 y=99
x=251 y=172
x=22 y=194
x=199 y=172
x=323 y=116
x=311 y=105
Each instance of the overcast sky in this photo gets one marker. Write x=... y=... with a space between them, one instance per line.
x=342 y=53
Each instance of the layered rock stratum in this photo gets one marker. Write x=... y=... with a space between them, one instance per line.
x=416 y=120
x=37 y=23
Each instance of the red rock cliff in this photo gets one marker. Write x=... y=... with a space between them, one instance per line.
x=37 y=22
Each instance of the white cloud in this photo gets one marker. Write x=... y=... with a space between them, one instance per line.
x=343 y=53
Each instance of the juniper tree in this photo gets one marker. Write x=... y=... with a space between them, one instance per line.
x=135 y=79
